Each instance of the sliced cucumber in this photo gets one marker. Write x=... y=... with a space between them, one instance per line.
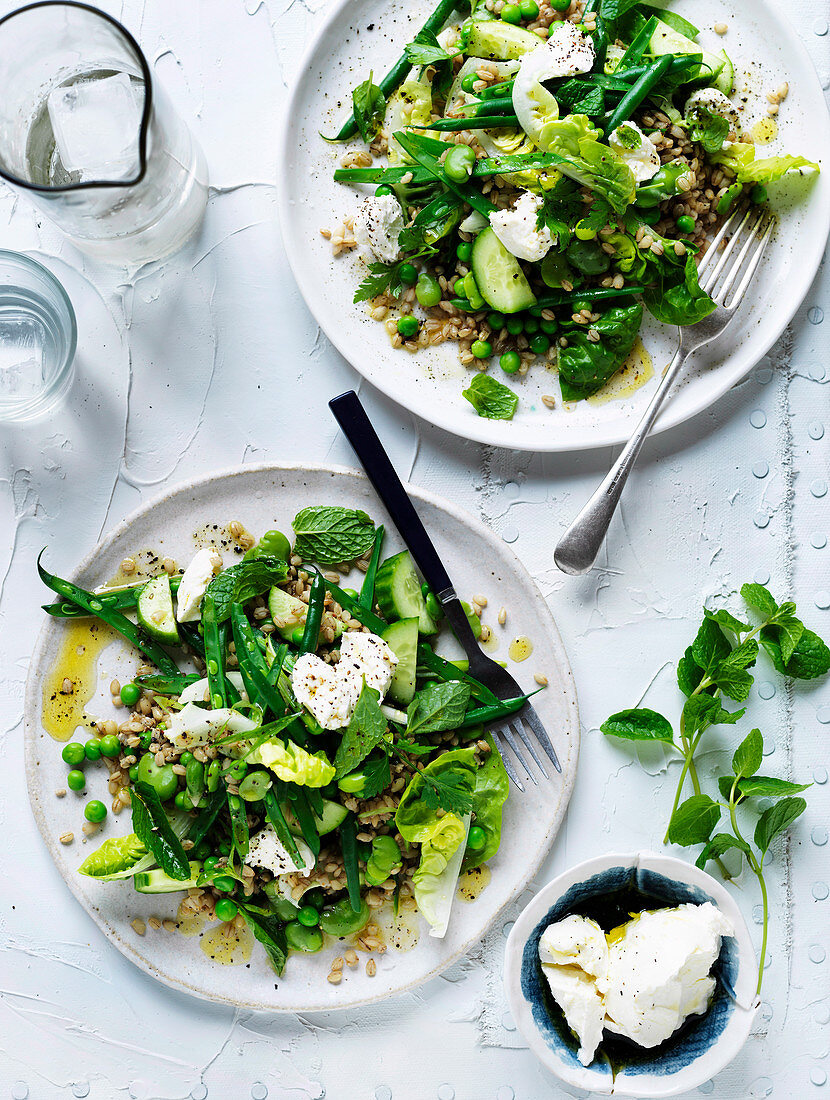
x=725 y=80
x=157 y=882
x=500 y=280
x=291 y=612
x=332 y=817
x=398 y=592
x=667 y=40
x=154 y=608
x=402 y=639
x=499 y=41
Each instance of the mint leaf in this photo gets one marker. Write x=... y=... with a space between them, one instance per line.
x=640 y=724
x=693 y=820
x=710 y=647
x=809 y=659
x=759 y=599
x=726 y=619
x=776 y=820
x=790 y=631
x=708 y=129
x=425 y=49
x=365 y=731
x=702 y=711
x=331 y=534
x=689 y=673
x=749 y=754
x=731 y=677
x=242 y=582
x=720 y=843
x=769 y=786
x=270 y=931
x=369 y=106
x=437 y=707
x=153 y=829
x=491 y=398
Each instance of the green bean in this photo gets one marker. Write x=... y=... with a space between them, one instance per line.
x=276 y=665
x=498 y=105
x=348 y=846
x=397 y=74
x=446 y=670
x=92 y=604
x=207 y=815
x=213 y=775
x=214 y=652
x=314 y=615
x=638 y=46
x=305 y=818
x=640 y=89
x=478 y=122
x=589 y=294
x=239 y=825
x=280 y=825
x=168 y=685
x=367 y=589
x=483 y=715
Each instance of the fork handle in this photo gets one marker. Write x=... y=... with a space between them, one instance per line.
x=351 y=416
x=578 y=548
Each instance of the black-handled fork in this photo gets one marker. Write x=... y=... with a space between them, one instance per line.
x=352 y=418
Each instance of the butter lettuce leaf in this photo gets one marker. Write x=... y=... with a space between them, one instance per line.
x=118 y=857
x=489 y=795
x=739 y=156
x=293 y=764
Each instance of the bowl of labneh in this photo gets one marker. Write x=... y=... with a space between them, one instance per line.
x=632 y=975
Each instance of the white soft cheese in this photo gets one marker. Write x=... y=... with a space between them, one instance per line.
x=266 y=850
x=715 y=101
x=377 y=226
x=193 y=725
x=567 y=51
x=654 y=974
x=330 y=692
x=637 y=150
x=195 y=579
x=198 y=691
x=518 y=231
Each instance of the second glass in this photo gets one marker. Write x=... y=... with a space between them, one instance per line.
x=90 y=136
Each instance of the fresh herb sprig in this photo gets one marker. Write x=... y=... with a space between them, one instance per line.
x=716 y=666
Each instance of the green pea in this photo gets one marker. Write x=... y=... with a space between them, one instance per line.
x=458 y=163
x=686 y=223
x=407 y=273
x=214 y=774
x=92 y=749
x=195 y=779
x=511 y=13
x=469 y=80
x=95 y=811
x=559 y=5
x=531 y=325
x=297 y=635
x=226 y=909
x=134 y=772
x=580 y=304
x=433 y=606
x=495 y=320
x=130 y=694
x=529 y=10
x=351 y=592
x=588 y=257
x=384 y=190
x=308 y=916
x=183 y=800
x=110 y=745
x=341 y=920
x=225 y=883
x=201 y=851
x=186 y=758
x=408 y=325
x=211 y=863
x=464 y=252
x=427 y=290
x=73 y=754
x=539 y=343
x=476 y=838
x=353 y=783
x=482 y=349
x=548 y=326
x=758 y=193
x=162 y=779
x=76 y=780
x=510 y=362
x=254 y=785
x=300 y=938
x=515 y=326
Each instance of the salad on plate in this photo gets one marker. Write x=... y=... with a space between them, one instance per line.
x=535 y=176
x=296 y=755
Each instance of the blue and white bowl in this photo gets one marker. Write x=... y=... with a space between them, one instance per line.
x=697 y=1051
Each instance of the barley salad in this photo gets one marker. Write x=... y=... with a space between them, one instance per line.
x=317 y=761
x=542 y=174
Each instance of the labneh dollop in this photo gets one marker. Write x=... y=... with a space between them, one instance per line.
x=641 y=980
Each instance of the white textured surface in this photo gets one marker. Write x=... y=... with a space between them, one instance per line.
x=200 y=363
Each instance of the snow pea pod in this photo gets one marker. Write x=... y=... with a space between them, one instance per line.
x=314 y=615
x=367 y=589
x=239 y=825
x=280 y=825
x=348 y=846
x=168 y=685
x=215 y=637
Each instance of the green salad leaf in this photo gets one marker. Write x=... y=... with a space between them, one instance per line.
x=439 y=706
x=491 y=398
x=425 y=49
x=118 y=857
x=292 y=763
x=366 y=730
x=153 y=829
x=382 y=277
x=489 y=796
x=740 y=158
x=242 y=582
x=708 y=129
x=330 y=534
x=675 y=298
x=270 y=931
x=369 y=106
x=584 y=366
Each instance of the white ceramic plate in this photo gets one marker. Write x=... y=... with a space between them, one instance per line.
x=262 y=497
x=369 y=35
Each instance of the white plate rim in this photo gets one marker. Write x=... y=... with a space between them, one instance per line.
x=32 y=728
x=477 y=430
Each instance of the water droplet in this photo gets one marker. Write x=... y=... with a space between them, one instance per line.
x=817 y=953
x=765 y=1011
x=769 y=747
x=818 y=487
x=820 y=891
x=81 y=1089
x=766 y=689
x=761 y=519
x=259 y=1091
x=821 y=1014
x=816 y=429
x=823 y=716
x=507 y=1022
x=818 y=541
x=815 y=315
x=706 y=1087
x=510 y=534
x=761 y=577
x=511 y=489
x=758 y=914
x=20 y=1090
x=446 y=1092
x=761 y=1087
x=820 y=776
x=758 y=418
x=764 y=375
x=820 y=28
x=508 y=928
x=198 y=1092
x=768 y=956
x=819 y=836
x=823 y=599
x=816 y=372
x=760 y=469
x=818 y=1076
x=383 y=1092
x=505 y=1093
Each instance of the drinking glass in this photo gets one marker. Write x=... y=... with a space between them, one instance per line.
x=38 y=335
x=88 y=134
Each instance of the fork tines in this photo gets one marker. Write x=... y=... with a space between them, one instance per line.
x=735 y=253
x=516 y=727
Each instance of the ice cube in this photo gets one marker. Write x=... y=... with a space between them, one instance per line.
x=96 y=124
x=21 y=358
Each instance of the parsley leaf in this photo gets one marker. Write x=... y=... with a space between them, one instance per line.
x=331 y=534
x=382 y=278
x=365 y=731
x=491 y=398
x=448 y=791
x=425 y=49
x=369 y=105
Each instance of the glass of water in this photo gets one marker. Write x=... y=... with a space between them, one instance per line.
x=38 y=335
x=88 y=134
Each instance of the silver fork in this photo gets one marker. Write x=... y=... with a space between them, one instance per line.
x=515 y=727
x=748 y=231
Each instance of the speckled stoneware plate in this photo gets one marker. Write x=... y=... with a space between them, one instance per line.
x=364 y=35
x=263 y=497
x=698 y=1050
